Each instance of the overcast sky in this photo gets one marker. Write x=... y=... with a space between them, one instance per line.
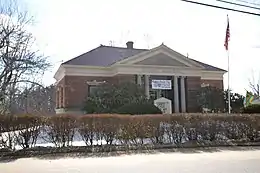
x=65 y=29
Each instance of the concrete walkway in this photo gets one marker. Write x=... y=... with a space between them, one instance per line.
x=216 y=162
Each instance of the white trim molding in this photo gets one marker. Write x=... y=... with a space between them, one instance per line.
x=139 y=70
x=212 y=75
x=157 y=70
x=59 y=75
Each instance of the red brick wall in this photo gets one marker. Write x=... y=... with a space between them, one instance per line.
x=125 y=78
x=213 y=83
x=193 y=85
x=76 y=88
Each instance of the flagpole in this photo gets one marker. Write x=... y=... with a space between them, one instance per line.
x=227 y=49
x=229 y=106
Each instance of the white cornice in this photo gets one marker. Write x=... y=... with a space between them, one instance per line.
x=136 y=69
x=155 y=67
x=212 y=75
x=60 y=73
x=157 y=70
x=67 y=66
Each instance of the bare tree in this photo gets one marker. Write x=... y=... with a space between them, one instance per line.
x=20 y=63
x=255 y=86
x=34 y=100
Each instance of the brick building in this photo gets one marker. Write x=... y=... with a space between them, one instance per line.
x=77 y=77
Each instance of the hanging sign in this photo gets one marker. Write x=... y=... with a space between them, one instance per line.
x=162 y=84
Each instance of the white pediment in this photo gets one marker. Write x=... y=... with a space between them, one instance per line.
x=160 y=56
x=161 y=59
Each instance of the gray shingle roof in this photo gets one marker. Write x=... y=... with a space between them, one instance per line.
x=107 y=55
x=209 y=67
x=104 y=56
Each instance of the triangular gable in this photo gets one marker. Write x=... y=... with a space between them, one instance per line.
x=160 y=56
x=161 y=59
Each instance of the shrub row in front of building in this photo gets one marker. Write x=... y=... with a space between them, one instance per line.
x=127 y=130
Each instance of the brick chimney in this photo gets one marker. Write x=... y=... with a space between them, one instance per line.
x=130 y=45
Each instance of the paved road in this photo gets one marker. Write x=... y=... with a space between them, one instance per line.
x=218 y=162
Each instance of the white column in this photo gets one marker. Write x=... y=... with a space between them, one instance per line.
x=146 y=86
x=176 y=95
x=183 y=97
x=139 y=79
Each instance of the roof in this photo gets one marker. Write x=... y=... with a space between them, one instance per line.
x=105 y=56
x=209 y=67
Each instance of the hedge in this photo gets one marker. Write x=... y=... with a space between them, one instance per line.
x=252 y=109
x=139 y=108
x=128 y=130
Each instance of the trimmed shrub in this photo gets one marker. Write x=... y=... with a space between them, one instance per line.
x=87 y=129
x=139 y=109
x=98 y=128
x=60 y=129
x=130 y=130
x=30 y=129
x=134 y=131
x=108 y=127
x=251 y=109
x=8 y=128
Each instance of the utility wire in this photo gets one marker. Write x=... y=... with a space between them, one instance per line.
x=241 y=5
x=251 y=3
x=223 y=8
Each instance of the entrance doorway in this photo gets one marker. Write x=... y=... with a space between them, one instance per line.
x=158 y=93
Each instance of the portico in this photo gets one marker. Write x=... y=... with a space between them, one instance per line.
x=162 y=61
x=178 y=87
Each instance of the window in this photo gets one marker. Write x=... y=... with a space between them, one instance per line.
x=92 y=89
x=93 y=85
x=142 y=79
x=61 y=97
x=57 y=99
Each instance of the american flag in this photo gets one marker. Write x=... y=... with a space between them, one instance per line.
x=227 y=35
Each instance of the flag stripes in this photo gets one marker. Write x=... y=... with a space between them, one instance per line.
x=227 y=35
